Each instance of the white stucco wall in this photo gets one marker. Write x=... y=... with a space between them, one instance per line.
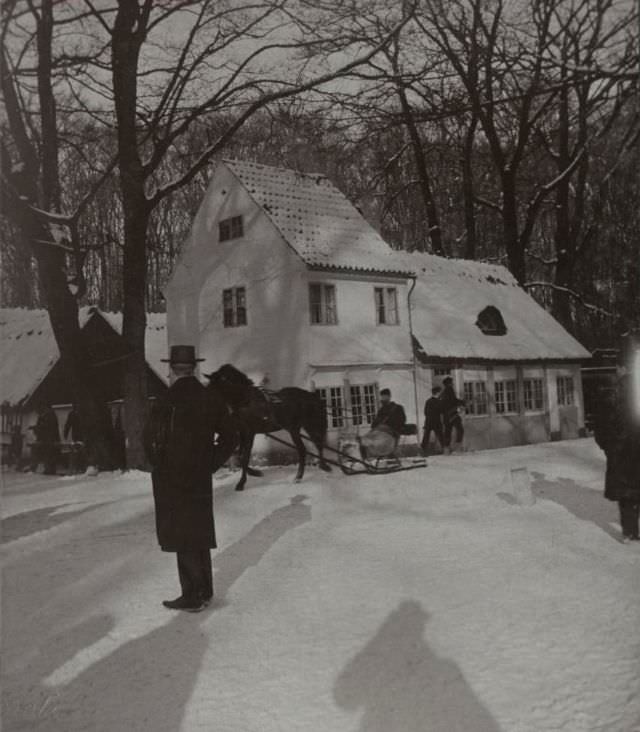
x=271 y=344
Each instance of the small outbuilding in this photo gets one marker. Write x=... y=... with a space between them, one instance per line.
x=31 y=373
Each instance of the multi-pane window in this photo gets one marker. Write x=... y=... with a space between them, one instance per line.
x=533 y=395
x=475 y=397
x=231 y=228
x=442 y=371
x=322 y=304
x=8 y=418
x=234 y=307
x=565 y=391
x=363 y=403
x=332 y=399
x=386 y=305
x=506 y=396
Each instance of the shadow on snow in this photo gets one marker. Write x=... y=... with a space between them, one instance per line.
x=146 y=683
x=400 y=684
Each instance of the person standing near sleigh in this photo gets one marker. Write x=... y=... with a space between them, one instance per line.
x=179 y=442
x=451 y=415
x=433 y=420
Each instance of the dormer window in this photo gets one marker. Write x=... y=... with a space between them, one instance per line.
x=491 y=322
x=231 y=228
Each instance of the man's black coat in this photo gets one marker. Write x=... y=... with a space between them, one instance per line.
x=392 y=415
x=617 y=432
x=179 y=441
x=433 y=413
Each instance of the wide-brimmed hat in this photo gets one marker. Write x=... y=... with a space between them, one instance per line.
x=182 y=354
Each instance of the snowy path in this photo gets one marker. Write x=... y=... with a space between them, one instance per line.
x=421 y=602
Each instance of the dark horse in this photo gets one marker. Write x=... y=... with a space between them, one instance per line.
x=258 y=411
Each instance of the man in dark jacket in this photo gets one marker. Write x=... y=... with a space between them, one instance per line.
x=433 y=419
x=617 y=432
x=450 y=414
x=179 y=441
x=390 y=415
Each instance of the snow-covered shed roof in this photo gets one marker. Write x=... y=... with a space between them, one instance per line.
x=316 y=219
x=450 y=294
x=28 y=349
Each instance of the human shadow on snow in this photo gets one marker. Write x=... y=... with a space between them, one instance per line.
x=399 y=683
x=233 y=561
x=39 y=519
x=146 y=683
x=584 y=503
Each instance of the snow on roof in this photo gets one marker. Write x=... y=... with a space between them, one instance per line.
x=28 y=349
x=316 y=219
x=450 y=294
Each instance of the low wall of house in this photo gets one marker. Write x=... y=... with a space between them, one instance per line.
x=486 y=433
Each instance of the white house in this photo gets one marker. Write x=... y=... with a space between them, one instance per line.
x=283 y=277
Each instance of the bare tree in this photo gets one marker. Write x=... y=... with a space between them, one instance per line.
x=32 y=197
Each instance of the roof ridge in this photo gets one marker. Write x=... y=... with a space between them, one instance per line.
x=235 y=161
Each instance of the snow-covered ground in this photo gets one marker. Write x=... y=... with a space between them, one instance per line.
x=426 y=601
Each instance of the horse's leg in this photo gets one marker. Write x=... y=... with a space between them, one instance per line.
x=302 y=451
x=245 y=453
x=253 y=472
x=319 y=443
x=314 y=428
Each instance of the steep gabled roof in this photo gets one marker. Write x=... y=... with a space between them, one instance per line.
x=450 y=294
x=28 y=349
x=316 y=219
x=155 y=340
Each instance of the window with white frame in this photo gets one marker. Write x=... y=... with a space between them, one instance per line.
x=322 y=304
x=234 y=307
x=386 y=305
x=475 y=397
x=363 y=403
x=332 y=398
x=506 y=396
x=231 y=228
x=565 y=391
x=533 y=395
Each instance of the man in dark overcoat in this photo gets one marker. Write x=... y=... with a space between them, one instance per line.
x=179 y=441
x=433 y=419
x=617 y=432
x=450 y=414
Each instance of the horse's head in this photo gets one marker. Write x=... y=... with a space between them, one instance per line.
x=228 y=375
x=231 y=384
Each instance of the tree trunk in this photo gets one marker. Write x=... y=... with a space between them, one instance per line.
x=128 y=34
x=467 y=191
x=62 y=307
x=512 y=244
x=431 y=210
x=133 y=332
x=564 y=246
